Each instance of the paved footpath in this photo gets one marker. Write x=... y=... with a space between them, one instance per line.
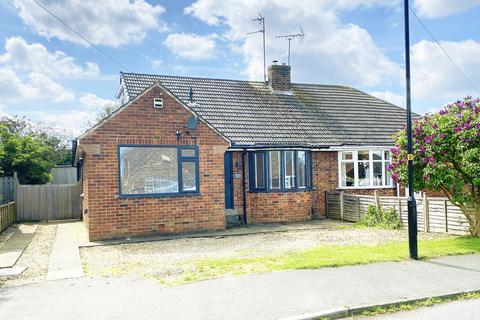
x=18 y=239
x=296 y=294
x=65 y=257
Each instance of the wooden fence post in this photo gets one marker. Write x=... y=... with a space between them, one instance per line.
x=358 y=208
x=15 y=195
x=377 y=200
x=341 y=205
x=445 y=210
x=426 y=213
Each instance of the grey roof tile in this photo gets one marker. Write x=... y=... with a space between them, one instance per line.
x=248 y=113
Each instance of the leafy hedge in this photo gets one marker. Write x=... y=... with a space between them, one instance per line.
x=386 y=219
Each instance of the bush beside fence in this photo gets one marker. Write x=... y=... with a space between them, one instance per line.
x=433 y=214
x=7 y=215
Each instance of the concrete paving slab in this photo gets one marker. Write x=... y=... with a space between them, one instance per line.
x=65 y=257
x=12 y=249
x=295 y=294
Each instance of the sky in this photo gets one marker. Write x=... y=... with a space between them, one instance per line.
x=51 y=75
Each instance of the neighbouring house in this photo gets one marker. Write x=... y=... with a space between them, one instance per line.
x=186 y=154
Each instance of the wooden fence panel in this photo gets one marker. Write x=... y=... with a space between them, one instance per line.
x=64 y=175
x=437 y=214
x=443 y=216
x=7 y=215
x=333 y=205
x=351 y=208
x=48 y=202
x=6 y=189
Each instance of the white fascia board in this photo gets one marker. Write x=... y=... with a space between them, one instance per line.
x=348 y=148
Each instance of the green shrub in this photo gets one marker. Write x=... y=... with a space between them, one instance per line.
x=387 y=219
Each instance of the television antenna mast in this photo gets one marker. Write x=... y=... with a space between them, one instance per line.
x=300 y=36
x=261 y=20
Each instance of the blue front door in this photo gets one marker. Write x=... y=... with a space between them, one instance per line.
x=228 y=166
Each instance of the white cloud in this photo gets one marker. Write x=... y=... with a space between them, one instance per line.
x=91 y=101
x=442 y=8
x=434 y=77
x=77 y=119
x=35 y=87
x=3 y=113
x=191 y=46
x=110 y=23
x=391 y=97
x=35 y=57
x=156 y=63
x=72 y=122
x=332 y=52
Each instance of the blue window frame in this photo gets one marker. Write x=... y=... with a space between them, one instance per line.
x=157 y=170
x=280 y=170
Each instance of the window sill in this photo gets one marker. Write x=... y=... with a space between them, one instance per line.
x=366 y=188
x=164 y=195
x=281 y=191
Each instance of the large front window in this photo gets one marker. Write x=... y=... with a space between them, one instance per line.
x=158 y=170
x=287 y=170
x=364 y=168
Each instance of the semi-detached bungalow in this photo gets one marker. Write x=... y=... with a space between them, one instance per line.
x=185 y=154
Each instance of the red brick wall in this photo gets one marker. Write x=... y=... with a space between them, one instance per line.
x=265 y=207
x=109 y=216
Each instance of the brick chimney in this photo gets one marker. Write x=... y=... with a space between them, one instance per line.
x=279 y=77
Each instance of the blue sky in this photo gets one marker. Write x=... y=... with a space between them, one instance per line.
x=49 y=74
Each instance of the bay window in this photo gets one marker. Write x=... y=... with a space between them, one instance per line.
x=275 y=176
x=289 y=169
x=284 y=170
x=157 y=170
x=364 y=168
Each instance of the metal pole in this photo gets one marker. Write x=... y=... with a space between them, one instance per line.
x=289 y=40
x=412 y=207
x=264 y=58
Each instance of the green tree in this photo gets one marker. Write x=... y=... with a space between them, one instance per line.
x=31 y=150
x=105 y=112
x=446 y=150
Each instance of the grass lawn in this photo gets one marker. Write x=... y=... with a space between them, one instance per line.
x=413 y=305
x=324 y=256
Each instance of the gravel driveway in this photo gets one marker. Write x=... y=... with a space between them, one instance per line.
x=168 y=259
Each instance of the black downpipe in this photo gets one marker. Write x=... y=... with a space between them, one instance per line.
x=244 y=191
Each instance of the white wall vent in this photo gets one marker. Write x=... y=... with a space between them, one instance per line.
x=158 y=103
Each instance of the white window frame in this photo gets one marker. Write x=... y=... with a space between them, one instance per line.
x=292 y=179
x=355 y=162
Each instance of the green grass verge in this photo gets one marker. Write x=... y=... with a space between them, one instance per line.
x=325 y=256
x=407 y=306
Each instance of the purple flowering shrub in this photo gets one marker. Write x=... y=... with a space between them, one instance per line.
x=446 y=149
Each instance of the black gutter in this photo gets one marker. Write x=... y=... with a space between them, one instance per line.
x=244 y=191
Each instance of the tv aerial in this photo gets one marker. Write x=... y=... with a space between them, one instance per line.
x=300 y=36
x=261 y=20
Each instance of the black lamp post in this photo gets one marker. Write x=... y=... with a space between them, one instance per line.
x=412 y=206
